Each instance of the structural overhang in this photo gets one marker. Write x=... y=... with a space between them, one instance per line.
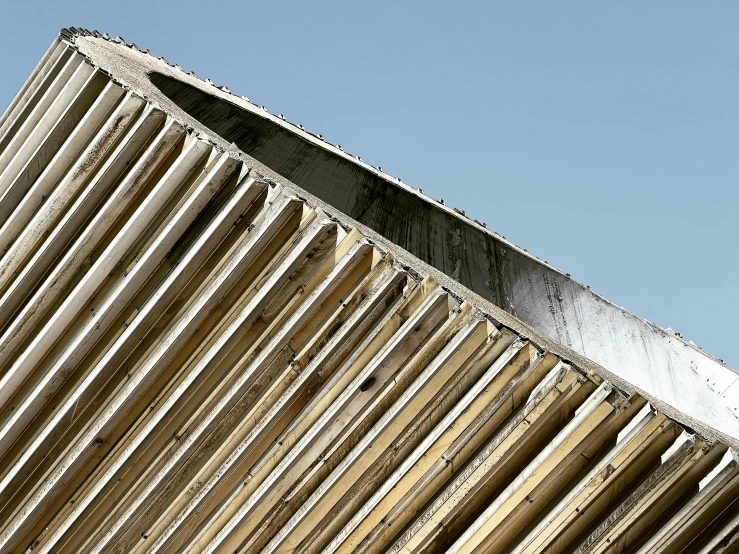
x=641 y=355
x=221 y=333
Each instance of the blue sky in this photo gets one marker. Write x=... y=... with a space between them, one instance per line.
x=602 y=137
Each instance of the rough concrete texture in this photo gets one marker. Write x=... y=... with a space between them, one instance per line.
x=641 y=355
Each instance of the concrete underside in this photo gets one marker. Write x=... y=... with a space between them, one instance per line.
x=655 y=361
x=253 y=347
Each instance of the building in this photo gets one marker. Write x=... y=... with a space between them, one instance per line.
x=219 y=333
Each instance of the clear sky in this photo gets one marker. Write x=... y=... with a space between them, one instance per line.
x=601 y=136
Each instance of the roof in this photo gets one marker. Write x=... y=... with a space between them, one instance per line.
x=656 y=361
x=198 y=354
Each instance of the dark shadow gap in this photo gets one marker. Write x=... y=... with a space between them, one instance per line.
x=454 y=247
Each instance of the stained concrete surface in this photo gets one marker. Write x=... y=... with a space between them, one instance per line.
x=653 y=360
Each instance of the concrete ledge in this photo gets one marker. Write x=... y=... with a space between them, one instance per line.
x=655 y=361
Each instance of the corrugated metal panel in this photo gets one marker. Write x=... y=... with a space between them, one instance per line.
x=195 y=359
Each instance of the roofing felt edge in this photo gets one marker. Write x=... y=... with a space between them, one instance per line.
x=498 y=315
